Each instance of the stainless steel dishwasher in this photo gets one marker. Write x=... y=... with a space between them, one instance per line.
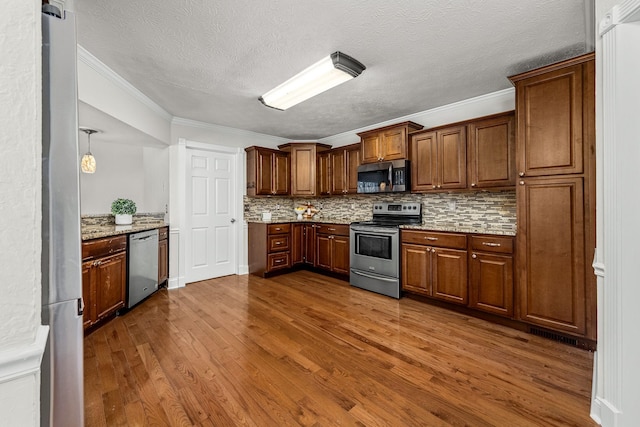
x=143 y=266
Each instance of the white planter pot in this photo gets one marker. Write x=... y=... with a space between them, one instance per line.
x=124 y=219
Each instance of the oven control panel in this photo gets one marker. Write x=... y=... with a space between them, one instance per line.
x=408 y=208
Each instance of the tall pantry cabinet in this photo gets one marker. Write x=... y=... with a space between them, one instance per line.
x=555 y=191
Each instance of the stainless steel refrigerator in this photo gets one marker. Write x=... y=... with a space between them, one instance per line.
x=62 y=365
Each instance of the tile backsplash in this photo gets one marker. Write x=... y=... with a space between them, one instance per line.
x=109 y=219
x=479 y=209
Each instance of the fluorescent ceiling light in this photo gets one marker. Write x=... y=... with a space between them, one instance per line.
x=329 y=72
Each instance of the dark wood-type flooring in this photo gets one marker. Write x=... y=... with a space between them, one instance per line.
x=305 y=349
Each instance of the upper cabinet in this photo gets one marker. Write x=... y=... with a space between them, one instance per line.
x=268 y=172
x=303 y=167
x=439 y=159
x=550 y=121
x=491 y=152
x=344 y=169
x=387 y=143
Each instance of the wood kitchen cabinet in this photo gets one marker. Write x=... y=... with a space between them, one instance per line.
x=269 y=248
x=163 y=254
x=332 y=248
x=344 y=169
x=435 y=265
x=387 y=143
x=491 y=152
x=303 y=244
x=491 y=274
x=268 y=172
x=555 y=194
x=439 y=159
x=324 y=173
x=303 y=166
x=104 y=278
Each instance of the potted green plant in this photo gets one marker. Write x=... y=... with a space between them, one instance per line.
x=123 y=209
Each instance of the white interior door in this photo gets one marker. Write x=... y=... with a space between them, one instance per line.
x=210 y=215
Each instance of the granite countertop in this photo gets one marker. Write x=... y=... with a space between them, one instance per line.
x=423 y=227
x=461 y=229
x=95 y=231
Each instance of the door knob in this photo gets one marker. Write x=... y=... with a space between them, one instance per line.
x=233 y=220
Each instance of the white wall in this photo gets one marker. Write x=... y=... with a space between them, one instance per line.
x=20 y=205
x=126 y=171
x=192 y=130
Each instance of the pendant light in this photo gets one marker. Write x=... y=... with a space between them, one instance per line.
x=88 y=162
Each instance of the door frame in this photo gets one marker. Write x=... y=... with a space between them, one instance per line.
x=179 y=220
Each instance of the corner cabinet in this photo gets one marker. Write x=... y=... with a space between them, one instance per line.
x=104 y=278
x=555 y=196
x=303 y=166
x=268 y=172
x=387 y=143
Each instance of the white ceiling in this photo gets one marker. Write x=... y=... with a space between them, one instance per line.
x=210 y=60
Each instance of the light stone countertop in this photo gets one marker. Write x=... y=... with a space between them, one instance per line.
x=106 y=230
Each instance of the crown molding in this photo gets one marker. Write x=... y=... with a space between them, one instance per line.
x=87 y=58
x=508 y=92
x=625 y=12
x=179 y=121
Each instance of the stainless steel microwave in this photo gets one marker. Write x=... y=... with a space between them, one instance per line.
x=384 y=177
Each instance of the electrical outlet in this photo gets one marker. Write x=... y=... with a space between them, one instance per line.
x=452 y=205
x=277 y=206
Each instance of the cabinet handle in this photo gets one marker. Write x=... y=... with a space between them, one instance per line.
x=493 y=245
x=473 y=184
x=435 y=186
x=433 y=239
x=433 y=250
x=332 y=229
x=521 y=174
x=474 y=256
x=278 y=229
x=521 y=182
x=278 y=243
x=439 y=186
x=278 y=261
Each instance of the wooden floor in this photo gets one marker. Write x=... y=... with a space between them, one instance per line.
x=304 y=349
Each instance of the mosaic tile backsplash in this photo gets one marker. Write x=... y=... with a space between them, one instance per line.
x=473 y=210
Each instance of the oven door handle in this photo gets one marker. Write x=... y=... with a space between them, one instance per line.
x=374 y=277
x=374 y=231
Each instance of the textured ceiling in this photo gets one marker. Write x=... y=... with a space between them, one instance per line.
x=210 y=60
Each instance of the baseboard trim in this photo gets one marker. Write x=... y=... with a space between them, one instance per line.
x=175 y=283
x=24 y=361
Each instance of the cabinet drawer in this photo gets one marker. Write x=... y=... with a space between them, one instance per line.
x=278 y=242
x=431 y=238
x=499 y=244
x=102 y=247
x=163 y=233
x=278 y=228
x=337 y=229
x=278 y=260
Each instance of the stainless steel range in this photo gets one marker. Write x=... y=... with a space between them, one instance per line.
x=375 y=247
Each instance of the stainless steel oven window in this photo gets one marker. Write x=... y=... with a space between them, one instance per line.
x=377 y=246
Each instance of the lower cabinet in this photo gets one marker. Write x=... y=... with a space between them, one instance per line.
x=435 y=265
x=104 y=278
x=491 y=274
x=269 y=247
x=332 y=248
x=163 y=255
x=303 y=243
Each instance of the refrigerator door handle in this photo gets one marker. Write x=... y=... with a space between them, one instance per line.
x=80 y=306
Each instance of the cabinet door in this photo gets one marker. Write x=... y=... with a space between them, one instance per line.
x=393 y=143
x=323 y=251
x=88 y=295
x=111 y=279
x=424 y=152
x=324 y=174
x=264 y=172
x=416 y=269
x=297 y=243
x=352 y=162
x=163 y=260
x=452 y=158
x=303 y=170
x=492 y=152
x=340 y=254
x=338 y=172
x=370 y=149
x=449 y=277
x=491 y=283
x=282 y=174
x=551 y=253
x=310 y=244
x=549 y=114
